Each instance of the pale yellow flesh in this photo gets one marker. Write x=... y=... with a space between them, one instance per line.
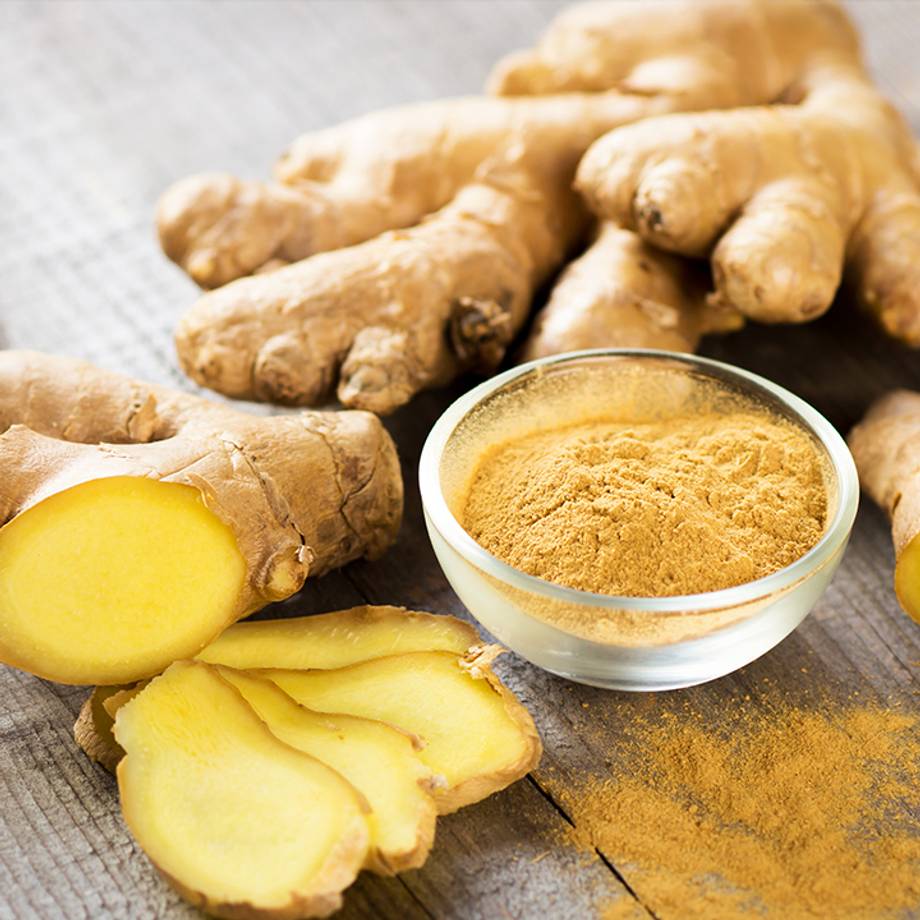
x=113 y=579
x=336 y=640
x=221 y=805
x=379 y=761
x=462 y=721
x=907 y=579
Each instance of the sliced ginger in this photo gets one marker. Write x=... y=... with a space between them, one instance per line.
x=262 y=793
x=475 y=732
x=111 y=567
x=335 y=640
x=240 y=822
x=136 y=522
x=328 y=640
x=380 y=761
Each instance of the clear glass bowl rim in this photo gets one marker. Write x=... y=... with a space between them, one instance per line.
x=449 y=527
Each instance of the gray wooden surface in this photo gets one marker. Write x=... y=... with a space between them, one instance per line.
x=101 y=106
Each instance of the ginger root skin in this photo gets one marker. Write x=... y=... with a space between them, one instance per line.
x=93 y=730
x=378 y=321
x=737 y=52
x=740 y=52
x=401 y=313
x=886 y=448
x=623 y=293
x=74 y=432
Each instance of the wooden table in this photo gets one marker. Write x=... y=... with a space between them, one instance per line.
x=101 y=106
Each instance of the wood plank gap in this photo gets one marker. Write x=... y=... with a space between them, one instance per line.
x=415 y=897
x=616 y=872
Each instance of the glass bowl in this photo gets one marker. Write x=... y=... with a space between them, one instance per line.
x=630 y=643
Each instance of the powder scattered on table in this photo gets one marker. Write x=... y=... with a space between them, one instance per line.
x=792 y=813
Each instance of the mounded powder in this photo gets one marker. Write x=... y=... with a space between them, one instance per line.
x=696 y=503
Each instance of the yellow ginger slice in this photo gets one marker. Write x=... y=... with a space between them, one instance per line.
x=137 y=564
x=335 y=640
x=380 y=761
x=242 y=824
x=477 y=735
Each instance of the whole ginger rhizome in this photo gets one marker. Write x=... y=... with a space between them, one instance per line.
x=693 y=503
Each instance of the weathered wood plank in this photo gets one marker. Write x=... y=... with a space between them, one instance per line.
x=101 y=105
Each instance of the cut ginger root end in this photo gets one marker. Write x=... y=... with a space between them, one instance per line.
x=138 y=522
x=886 y=448
x=242 y=824
x=114 y=578
x=335 y=640
x=907 y=578
x=475 y=732
x=380 y=761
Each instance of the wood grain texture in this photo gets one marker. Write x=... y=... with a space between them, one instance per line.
x=101 y=106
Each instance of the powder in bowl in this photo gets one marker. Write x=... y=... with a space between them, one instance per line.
x=692 y=503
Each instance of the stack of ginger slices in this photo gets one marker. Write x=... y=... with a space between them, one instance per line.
x=261 y=777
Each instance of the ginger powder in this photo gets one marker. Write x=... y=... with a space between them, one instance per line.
x=689 y=504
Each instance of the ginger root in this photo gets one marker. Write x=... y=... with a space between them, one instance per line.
x=620 y=293
x=407 y=310
x=781 y=197
x=93 y=729
x=140 y=522
x=400 y=313
x=242 y=824
x=886 y=448
x=739 y=52
x=623 y=293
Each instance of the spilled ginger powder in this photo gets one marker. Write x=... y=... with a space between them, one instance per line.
x=692 y=504
x=794 y=813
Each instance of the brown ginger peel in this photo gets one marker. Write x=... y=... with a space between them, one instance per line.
x=623 y=293
x=408 y=310
x=737 y=51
